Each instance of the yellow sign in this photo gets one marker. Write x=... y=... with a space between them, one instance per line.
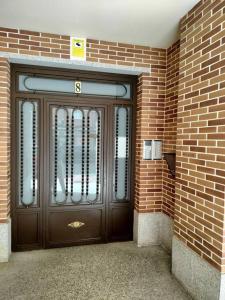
x=77 y=48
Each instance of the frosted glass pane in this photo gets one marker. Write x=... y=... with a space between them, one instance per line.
x=93 y=155
x=28 y=152
x=41 y=84
x=76 y=156
x=45 y=84
x=60 y=155
x=121 y=152
x=106 y=89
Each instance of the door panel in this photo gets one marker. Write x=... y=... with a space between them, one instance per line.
x=76 y=164
x=120 y=221
x=76 y=226
x=120 y=205
x=27 y=214
x=28 y=232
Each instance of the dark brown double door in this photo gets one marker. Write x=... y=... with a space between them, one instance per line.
x=77 y=187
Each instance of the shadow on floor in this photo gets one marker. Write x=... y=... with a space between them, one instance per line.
x=97 y=272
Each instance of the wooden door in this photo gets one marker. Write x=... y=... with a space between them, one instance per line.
x=72 y=164
x=75 y=190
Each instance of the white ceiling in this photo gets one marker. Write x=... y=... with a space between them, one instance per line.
x=144 y=22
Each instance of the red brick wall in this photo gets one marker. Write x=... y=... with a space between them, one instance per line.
x=170 y=130
x=4 y=139
x=34 y=43
x=125 y=54
x=200 y=187
x=150 y=98
x=150 y=125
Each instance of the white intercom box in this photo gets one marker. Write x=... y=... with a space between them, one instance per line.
x=152 y=150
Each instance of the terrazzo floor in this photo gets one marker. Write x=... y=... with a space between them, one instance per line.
x=97 y=272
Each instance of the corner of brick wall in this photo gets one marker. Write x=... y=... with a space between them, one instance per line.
x=150 y=125
x=5 y=140
x=200 y=186
x=170 y=125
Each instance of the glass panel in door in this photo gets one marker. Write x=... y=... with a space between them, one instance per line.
x=76 y=155
x=121 y=153
x=28 y=153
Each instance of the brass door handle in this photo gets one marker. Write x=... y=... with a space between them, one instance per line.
x=76 y=224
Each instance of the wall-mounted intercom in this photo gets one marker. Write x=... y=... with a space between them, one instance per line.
x=152 y=150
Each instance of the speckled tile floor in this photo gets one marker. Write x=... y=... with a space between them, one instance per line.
x=97 y=272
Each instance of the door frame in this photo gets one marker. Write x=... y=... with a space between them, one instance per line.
x=67 y=74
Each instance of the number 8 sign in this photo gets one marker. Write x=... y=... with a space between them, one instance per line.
x=77 y=89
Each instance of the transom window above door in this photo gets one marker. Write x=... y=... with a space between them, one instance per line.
x=41 y=84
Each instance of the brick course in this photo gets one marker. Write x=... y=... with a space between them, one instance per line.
x=200 y=192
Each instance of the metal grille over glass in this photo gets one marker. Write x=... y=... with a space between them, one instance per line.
x=121 y=152
x=88 y=87
x=76 y=160
x=28 y=153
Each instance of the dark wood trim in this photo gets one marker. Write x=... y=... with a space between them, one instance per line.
x=77 y=75
x=13 y=158
x=72 y=73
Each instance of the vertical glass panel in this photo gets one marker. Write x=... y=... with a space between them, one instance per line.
x=77 y=150
x=93 y=155
x=28 y=153
x=60 y=149
x=121 y=153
